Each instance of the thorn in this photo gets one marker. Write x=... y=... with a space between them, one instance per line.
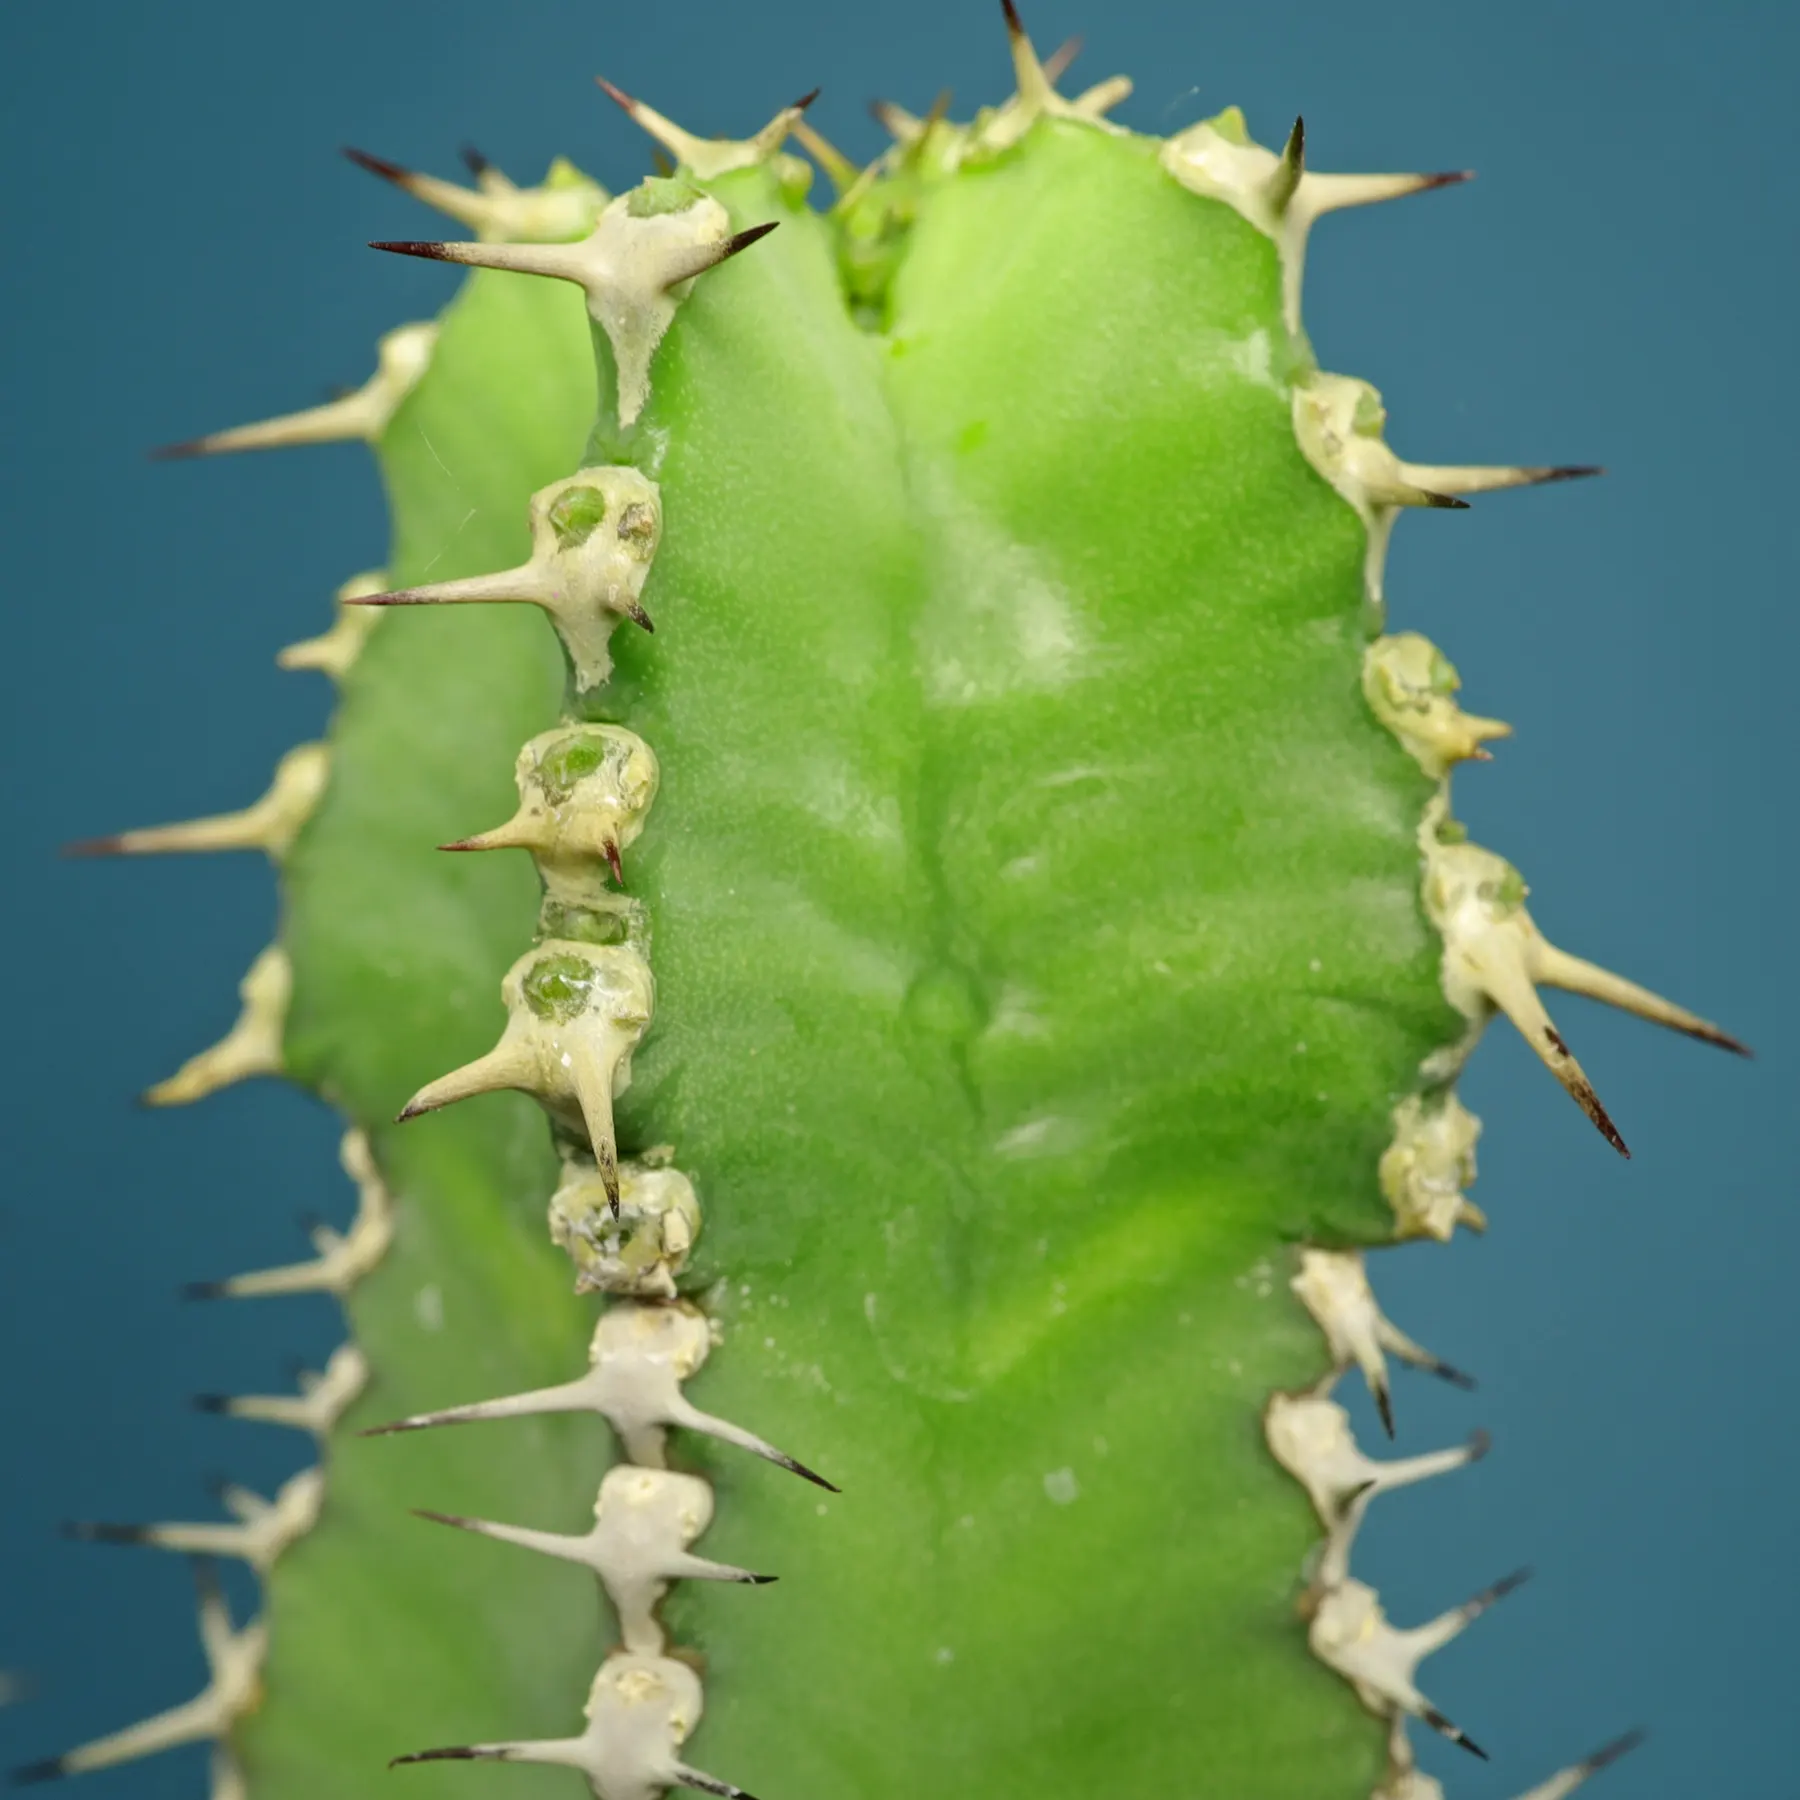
x=618 y=97
x=1284 y=183
x=1444 y=1372
x=709 y=1784
x=89 y=1531
x=1057 y=63
x=1446 y=481
x=1608 y=1754
x=1384 y=1404
x=402 y=357
x=377 y=165
x=812 y=1475
x=433 y=251
x=251 y=1047
x=840 y=171
x=707 y=158
x=270 y=823
x=634 y=612
x=732 y=246
x=1556 y=968
x=1455 y=1733
x=896 y=121
x=1507 y=1584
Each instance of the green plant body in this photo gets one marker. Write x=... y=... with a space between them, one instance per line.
x=1004 y=954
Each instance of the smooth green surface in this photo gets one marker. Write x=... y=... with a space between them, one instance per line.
x=1037 y=956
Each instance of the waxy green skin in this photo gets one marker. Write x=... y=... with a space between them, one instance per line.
x=1038 y=952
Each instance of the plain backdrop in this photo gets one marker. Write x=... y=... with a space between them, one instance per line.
x=183 y=249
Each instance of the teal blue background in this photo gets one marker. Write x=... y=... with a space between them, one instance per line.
x=184 y=250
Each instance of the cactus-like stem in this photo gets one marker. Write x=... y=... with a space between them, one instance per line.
x=1046 y=962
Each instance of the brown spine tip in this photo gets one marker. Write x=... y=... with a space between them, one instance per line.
x=1622 y=1745
x=618 y=97
x=1480 y=1443
x=376 y=165
x=1447 y=1728
x=1293 y=152
x=806 y=1474
x=438 y=1518
x=1569 y=472
x=472 y=160
x=50 y=1769
x=1507 y=1584
x=760 y=1580
x=611 y=851
x=1384 y=1405
x=1707 y=1034
x=1456 y=1378
x=188 y=447
x=1445 y=178
x=99 y=846
x=87 y=1531
x=1443 y=502
x=636 y=614
x=1015 y=26
x=202 y=1290
x=433 y=252
x=212 y=1403
x=805 y=100
x=464 y=844
x=399 y=596
x=742 y=240
x=447 y=1753
x=1057 y=63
